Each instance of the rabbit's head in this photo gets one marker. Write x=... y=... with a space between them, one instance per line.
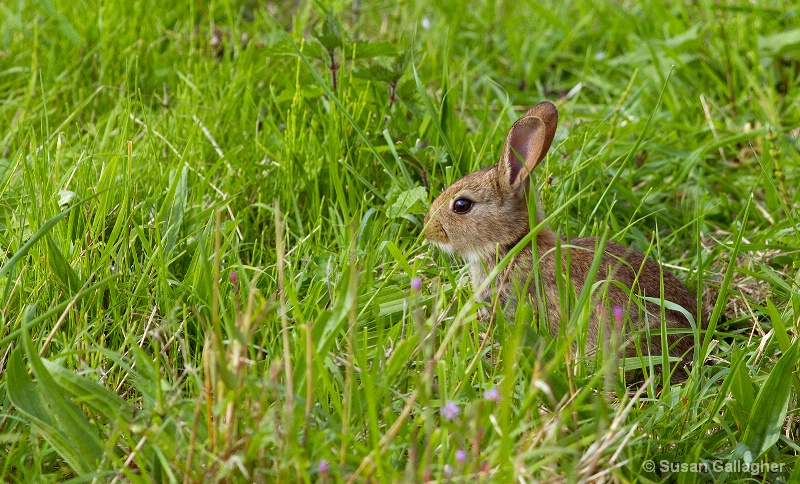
x=490 y=207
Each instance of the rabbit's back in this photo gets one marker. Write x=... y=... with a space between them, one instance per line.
x=621 y=266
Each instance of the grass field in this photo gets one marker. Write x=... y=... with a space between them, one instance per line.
x=212 y=264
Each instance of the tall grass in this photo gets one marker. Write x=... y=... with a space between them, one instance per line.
x=212 y=264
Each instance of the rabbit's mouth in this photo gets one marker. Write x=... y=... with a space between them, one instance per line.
x=442 y=244
x=436 y=234
x=440 y=240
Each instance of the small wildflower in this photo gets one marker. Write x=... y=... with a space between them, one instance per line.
x=601 y=309
x=492 y=394
x=450 y=410
x=461 y=455
x=426 y=23
x=618 y=314
x=416 y=284
x=234 y=278
x=323 y=467
x=448 y=470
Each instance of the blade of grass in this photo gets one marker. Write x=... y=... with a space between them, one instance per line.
x=771 y=405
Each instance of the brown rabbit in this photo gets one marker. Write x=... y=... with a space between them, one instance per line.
x=484 y=215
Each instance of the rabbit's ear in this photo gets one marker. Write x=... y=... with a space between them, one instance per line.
x=548 y=112
x=526 y=146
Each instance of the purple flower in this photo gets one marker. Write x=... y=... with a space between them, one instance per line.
x=450 y=410
x=618 y=313
x=448 y=470
x=492 y=394
x=461 y=455
x=234 y=278
x=323 y=467
x=416 y=284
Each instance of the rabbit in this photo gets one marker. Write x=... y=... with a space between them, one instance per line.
x=483 y=215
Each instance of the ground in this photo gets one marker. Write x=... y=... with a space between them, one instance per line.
x=212 y=264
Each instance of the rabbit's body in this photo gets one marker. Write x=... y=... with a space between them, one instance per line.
x=485 y=214
x=619 y=264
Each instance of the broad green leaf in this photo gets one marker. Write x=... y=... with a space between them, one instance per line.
x=331 y=322
x=106 y=197
x=35 y=238
x=68 y=418
x=101 y=399
x=198 y=279
x=406 y=201
x=741 y=388
x=66 y=275
x=173 y=209
x=23 y=393
x=769 y=410
x=401 y=356
x=780 y=43
x=69 y=431
x=778 y=327
x=363 y=49
x=377 y=72
x=28 y=400
x=12 y=335
x=65 y=198
x=276 y=45
x=795 y=477
x=331 y=34
x=149 y=379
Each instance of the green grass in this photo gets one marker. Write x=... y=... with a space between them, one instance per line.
x=149 y=152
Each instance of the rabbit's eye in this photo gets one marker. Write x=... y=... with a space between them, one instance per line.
x=462 y=205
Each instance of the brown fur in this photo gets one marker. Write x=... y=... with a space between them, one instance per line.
x=498 y=220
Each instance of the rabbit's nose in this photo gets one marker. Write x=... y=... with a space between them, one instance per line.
x=430 y=228
x=436 y=233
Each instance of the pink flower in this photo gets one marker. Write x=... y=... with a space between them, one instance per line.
x=234 y=278
x=619 y=314
x=323 y=467
x=416 y=284
x=461 y=455
x=450 y=410
x=492 y=394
